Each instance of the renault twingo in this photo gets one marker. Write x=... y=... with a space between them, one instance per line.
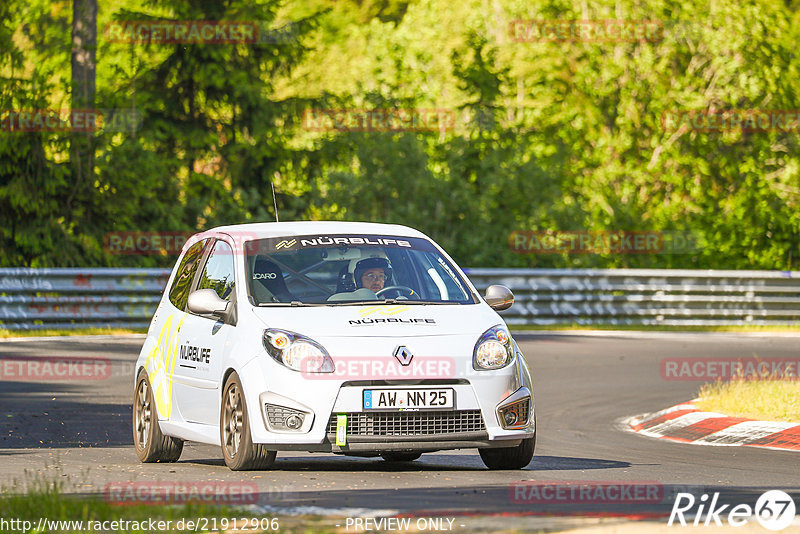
x=354 y=338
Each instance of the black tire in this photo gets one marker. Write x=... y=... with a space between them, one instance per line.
x=238 y=449
x=150 y=444
x=400 y=456
x=509 y=457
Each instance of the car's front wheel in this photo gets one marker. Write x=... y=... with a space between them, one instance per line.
x=509 y=457
x=150 y=444
x=240 y=453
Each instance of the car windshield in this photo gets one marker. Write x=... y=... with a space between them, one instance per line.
x=351 y=269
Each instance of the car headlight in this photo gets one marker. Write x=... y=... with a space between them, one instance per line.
x=494 y=349
x=297 y=352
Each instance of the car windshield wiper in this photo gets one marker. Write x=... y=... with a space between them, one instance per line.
x=289 y=304
x=297 y=303
x=436 y=302
x=409 y=301
x=386 y=301
x=352 y=302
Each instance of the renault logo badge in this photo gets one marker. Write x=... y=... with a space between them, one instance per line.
x=403 y=355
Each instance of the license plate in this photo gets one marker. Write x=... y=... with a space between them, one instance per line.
x=409 y=399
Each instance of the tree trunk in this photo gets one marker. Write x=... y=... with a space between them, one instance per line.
x=84 y=47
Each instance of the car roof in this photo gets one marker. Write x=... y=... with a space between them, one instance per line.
x=296 y=228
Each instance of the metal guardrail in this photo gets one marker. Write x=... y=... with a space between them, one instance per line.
x=670 y=297
x=81 y=298
x=34 y=299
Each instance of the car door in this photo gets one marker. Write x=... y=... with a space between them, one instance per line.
x=204 y=341
x=165 y=328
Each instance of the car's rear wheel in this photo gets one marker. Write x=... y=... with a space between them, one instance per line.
x=150 y=444
x=240 y=453
x=400 y=456
x=509 y=457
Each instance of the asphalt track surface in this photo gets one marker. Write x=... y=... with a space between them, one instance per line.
x=584 y=383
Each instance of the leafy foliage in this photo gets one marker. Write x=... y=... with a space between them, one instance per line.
x=549 y=134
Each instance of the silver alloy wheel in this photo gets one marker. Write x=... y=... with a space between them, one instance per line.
x=232 y=426
x=143 y=415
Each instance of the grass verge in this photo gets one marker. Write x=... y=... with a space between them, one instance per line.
x=50 y=500
x=54 y=512
x=766 y=400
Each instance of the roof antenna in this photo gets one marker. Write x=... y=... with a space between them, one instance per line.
x=274 y=201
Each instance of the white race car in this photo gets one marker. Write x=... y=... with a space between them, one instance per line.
x=353 y=338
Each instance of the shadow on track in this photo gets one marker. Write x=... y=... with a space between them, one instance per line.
x=428 y=462
x=503 y=499
x=507 y=499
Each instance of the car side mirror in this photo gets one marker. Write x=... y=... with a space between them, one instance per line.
x=207 y=302
x=498 y=297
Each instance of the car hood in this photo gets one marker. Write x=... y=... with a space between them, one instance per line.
x=381 y=320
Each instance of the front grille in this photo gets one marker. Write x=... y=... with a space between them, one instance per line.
x=410 y=423
x=523 y=411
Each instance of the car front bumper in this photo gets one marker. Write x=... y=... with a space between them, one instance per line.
x=473 y=423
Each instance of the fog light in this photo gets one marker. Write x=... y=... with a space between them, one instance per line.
x=510 y=418
x=294 y=422
x=283 y=419
x=515 y=414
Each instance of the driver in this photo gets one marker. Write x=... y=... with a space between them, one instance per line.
x=372 y=273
